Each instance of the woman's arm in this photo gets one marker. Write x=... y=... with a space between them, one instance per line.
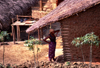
x=46 y=39
x=56 y=32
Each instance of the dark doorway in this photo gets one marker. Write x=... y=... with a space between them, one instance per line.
x=59 y=1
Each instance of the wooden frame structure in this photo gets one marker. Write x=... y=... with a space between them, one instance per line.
x=18 y=24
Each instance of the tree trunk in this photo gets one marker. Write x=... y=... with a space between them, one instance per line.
x=37 y=56
x=90 y=56
x=34 y=55
x=82 y=55
x=3 y=53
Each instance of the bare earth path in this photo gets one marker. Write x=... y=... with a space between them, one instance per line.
x=18 y=53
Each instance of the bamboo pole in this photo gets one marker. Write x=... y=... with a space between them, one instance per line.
x=18 y=33
x=90 y=64
x=39 y=34
x=3 y=53
x=13 y=31
x=28 y=36
x=40 y=5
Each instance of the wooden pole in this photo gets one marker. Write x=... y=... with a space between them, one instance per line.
x=18 y=33
x=39 y=34
x=3 y=53
x=29 y=34
x=40 y=5
x=13 y=31
x=50 y=25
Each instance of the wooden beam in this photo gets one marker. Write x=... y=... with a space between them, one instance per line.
x=50 y=25
x=18 y=33
x=39 y=34
x=23 y=16
x=13 y=33
x=40 y=5
x=28 y=36
x=13 y=30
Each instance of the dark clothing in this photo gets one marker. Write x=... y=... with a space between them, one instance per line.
x=52 y=38
x=52 y=47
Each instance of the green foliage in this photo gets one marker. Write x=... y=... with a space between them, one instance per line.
x=2 y=35
x=78 y=41
x=31 y=42
x=1 y=38
x=68 y=63
x=89 y=38
x=1 y=66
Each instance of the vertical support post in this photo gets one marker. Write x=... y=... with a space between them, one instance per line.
x=39 y=34
x=28 y=36
x=13 y=31
x=40 y=5
x=40 y=14
x=50 y=25
x=18 y=33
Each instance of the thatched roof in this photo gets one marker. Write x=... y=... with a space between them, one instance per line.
x=65 y=9
x=11 y=8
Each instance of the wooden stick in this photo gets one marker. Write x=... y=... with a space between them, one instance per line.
x=18 y=33
x=50 y=25
x=24 y=16
x=3 y=53
x=39 y=34
x=40 y=5
x=13 y=31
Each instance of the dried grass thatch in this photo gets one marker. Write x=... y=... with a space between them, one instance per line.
x=65 y=9
x=11 y=8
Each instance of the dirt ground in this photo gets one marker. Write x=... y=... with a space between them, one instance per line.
x=16 y=54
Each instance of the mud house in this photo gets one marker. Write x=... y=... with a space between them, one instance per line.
x=38 y=10
x=77 y=17
x=43 y=7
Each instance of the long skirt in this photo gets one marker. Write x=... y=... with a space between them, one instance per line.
x=52 y=47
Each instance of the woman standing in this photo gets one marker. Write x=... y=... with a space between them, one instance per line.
x=52 y=43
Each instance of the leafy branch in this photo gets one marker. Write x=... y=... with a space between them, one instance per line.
x=31 y=44
x=89 y=38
